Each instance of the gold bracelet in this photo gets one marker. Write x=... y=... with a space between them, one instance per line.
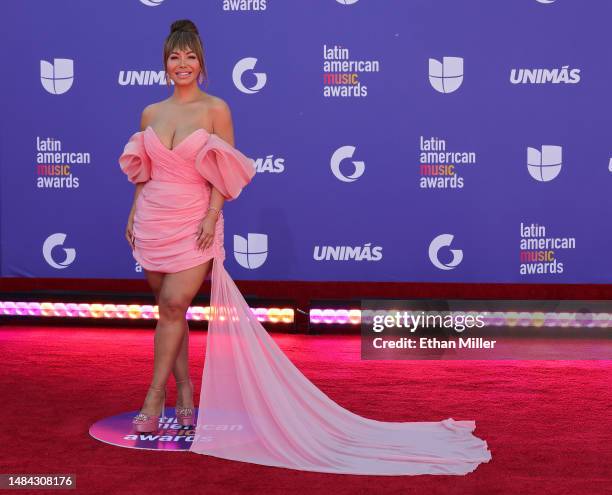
x=213 y=208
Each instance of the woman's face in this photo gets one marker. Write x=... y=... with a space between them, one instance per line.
x=183 y=66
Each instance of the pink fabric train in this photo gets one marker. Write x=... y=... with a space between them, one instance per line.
x=255 y=405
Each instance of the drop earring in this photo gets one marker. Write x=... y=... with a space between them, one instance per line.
x=201 y=77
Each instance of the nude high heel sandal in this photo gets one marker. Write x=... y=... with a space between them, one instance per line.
x=184 y=415
x=145 y=423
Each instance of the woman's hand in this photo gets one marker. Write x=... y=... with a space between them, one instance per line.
x=129 y=231
x=206 y=231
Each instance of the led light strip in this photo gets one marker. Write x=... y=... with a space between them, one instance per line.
x=125 y=311
x=330 y=316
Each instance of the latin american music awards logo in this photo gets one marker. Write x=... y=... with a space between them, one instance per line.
x=222 y=428
x=441 y=167
x=539 y=251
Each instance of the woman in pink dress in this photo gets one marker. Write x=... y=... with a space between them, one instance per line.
x=255 y=405
x=184 y=167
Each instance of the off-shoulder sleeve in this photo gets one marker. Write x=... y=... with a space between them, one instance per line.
x=134 y=160
x=225 y=167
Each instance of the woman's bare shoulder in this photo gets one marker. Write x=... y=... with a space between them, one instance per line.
x=150 y=112
x=218 y=110
x=210 y=106
x=220 y=116
x=218 y=104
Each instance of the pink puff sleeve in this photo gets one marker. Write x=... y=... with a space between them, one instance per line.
x=226 y=168
x=134 y=160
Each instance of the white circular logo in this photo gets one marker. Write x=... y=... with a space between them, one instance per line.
x=339 y=155
x=151 y=3
x=240 y=68
x=57 y=240
x=442 y=241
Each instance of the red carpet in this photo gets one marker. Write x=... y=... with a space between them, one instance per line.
x=547 y=423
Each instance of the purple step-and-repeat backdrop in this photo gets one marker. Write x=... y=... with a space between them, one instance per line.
x=395 y=140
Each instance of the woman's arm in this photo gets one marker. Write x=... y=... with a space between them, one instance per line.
x=129 y=230
x=224 y=128
x=144 y=123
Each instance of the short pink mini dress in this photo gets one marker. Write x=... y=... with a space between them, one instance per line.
x=175 y=198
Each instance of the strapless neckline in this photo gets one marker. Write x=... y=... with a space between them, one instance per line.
x=179 y=144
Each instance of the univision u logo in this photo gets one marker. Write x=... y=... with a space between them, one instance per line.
x=546 y=164
x=446 y=76
x=57 y=77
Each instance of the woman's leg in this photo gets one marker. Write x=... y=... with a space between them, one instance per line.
x=181 y=365
x=175 y=295
x=184 y=392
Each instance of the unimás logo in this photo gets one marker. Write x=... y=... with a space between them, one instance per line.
x=271 y=164
x=546 y=164
x=347 y=2
x=57 y=77
x=444 y=241
x=53 y=241
x=367 y=252
x=446 y=76
x=241 y=5
x=252 y=252
x=564 y=75
x=242 y=66
x=546 y=1
x=142 y=78
x=151 y=3
x=343 y=153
